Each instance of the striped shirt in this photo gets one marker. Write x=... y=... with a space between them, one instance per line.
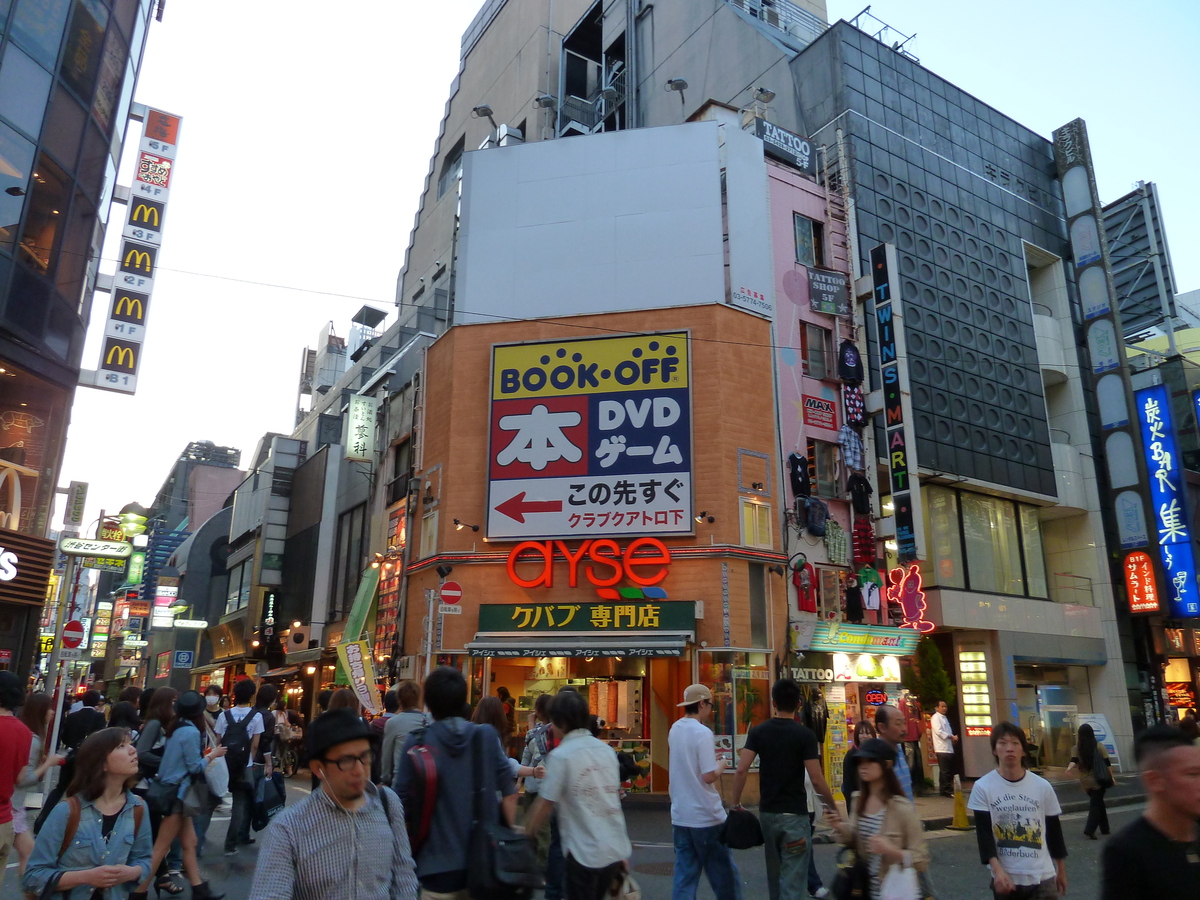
x=868 y=827
x=317 y=850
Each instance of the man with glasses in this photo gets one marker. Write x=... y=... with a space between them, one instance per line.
x=347 y=838
x=697 y=814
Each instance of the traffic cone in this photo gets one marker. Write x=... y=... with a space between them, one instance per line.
x=960 y=809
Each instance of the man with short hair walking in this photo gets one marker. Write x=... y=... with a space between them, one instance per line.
x=697 y=813
x=944 y=740
x=240 y=730
x=891 y=728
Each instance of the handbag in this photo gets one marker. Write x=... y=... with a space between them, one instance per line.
x=196 y=799
x=900 y=884
x=1101 y=770
x=269 y=797
x=504 y=865
x=160 y=797
x=741 y=830
x=216 y=774
x=853 y=878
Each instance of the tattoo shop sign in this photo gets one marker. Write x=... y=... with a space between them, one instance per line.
x=591 y=438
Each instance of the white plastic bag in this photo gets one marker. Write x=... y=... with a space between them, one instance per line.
x=216 y=773
x=900 y=884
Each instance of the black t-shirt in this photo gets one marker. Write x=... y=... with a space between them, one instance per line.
x=782 y=746
x=78 y=725
x=1142 y=863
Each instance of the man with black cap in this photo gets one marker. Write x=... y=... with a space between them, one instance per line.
x=347 y=838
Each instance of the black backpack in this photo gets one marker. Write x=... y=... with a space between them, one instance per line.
x=236 y=741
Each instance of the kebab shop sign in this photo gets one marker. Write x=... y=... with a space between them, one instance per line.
x=644 y=561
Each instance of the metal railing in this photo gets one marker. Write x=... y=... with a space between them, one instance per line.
x=784 y=15
x=1068 y=588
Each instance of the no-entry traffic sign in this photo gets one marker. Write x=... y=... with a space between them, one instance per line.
x=451 y=592
x=72 y=634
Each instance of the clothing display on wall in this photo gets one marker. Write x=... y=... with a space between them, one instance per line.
x=805 y=578
x=798 y=475
x=817 y=517
x=860 y=492
x=854 y=604
x=856 y=409
x=852 y=448
x=850 y=367
x=870 y=596
x=863 y=542
x=837 y=543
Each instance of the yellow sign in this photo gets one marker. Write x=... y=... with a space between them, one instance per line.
x=143 y=213
x=649 y=362
x=357 y=665
x=138 y=259
x=122 y=355
x=46 y=643
x=126 y=306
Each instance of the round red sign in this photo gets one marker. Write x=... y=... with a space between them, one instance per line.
x=72 y=634
x=451 y=592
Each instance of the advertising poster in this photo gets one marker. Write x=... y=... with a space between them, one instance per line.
x=591 y=437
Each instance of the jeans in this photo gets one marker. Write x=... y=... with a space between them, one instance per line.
x=556 y=865
x=239 y=819
x=591 y=884
x=945 y=774
x=200 y=822
x=814 y=877
x=1097 y=813
x=787 y=844
x=700 y=850
x=1047 y=890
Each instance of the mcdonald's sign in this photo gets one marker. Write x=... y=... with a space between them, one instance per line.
x=138 y=259
x=146 y=214
x=129 y=306
x=120 y=356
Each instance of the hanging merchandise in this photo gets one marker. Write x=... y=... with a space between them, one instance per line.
x=818 y=515
x=852 y=448
x=798 y=475
x=870 y=595
x=850 y=367
x=804 y=577
x=870 y=575
x=854 y=601
x=837 y=543
x=863 y=543
x=856 y=409
x=860 y=492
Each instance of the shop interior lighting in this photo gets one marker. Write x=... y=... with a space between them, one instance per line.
x=311 y=670
x=459 y=526
x=703 y=516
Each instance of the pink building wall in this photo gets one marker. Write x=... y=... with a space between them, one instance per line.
x=208 y=487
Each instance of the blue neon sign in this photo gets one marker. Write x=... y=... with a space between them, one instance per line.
x=1168 y=500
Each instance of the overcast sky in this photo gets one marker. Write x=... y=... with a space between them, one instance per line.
x=307 y=137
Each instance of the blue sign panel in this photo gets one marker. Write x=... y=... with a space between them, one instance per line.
x=1168 y=501
x=184 y=659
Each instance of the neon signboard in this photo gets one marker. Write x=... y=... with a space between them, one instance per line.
x=1140 y=585
x=906 y=589
x=1168 y=500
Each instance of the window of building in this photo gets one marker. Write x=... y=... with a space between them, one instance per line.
x=822 y=463
x=756 y=524
x=47 y=211
x=758 y=605
x=810 y=239
x=451 y=167
x=401 y=472
x=829 y=594
x=237 y=595
x=24 y=90
x=815 y=351
x=38 y=26
x=16 y=167
x=992 y=545
x=945 y=564
x=349 y=560
x=429 y=526
x=85 y=47
x=1035 y=559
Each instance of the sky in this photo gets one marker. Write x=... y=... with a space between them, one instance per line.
x=306 y=141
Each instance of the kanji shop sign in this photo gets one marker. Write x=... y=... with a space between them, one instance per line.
x=1139 y=583
x=658 y=615
x=591 y=438
x=360 y=431
x=644 y=561
x=1168 y=500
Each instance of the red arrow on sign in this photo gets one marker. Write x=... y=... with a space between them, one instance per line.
x=451 y=592
x=517 y=506
x=72 y=634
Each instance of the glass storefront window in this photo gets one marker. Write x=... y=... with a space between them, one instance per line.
x=24 y=88
x=741 y=687
x=1035 y=559
x=46 y=213
x=16 y=166
x=76 y=250
x=38 y=27
x=108 y=91
x=945 y=564
x=33 y=412
x=85 y=45
x=64 y=128
x=993 y=551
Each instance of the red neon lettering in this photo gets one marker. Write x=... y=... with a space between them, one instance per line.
x=662 y=558
x=604 y=559
x=546 y=577
x=572 y=561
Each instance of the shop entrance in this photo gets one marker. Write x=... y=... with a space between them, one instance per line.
x=1049 y=697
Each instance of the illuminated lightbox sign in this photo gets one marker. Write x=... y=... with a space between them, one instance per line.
x=1140 y=584
x=1168 y=501
x=866 y=667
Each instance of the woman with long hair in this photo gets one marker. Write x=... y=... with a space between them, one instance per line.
x=183 y=762
x=37 y=714
x=344 y=697
x=110 y=849
x=884 y=827
x=490 y=711
x=125 y=715
x=151 y=742
x=863 y=731
x=1083 y=759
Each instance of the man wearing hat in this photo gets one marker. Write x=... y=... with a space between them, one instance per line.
x=347 y=838
x=697 y=814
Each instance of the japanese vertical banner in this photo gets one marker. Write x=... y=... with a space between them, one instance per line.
x=591 y=437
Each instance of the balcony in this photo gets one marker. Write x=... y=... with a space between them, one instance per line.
x=784 y=15
x=1050 y=350
x=1072 y=589
x=1068 y=478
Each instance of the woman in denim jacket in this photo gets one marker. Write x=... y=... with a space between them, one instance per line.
x=183 y=762
x=110 y=850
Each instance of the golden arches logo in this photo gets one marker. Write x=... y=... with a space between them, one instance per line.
x=138 y=259
x=142 y=213
x=127 y=305
x=123 y=355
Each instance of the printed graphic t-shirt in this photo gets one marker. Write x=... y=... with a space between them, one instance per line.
x=1019 y=810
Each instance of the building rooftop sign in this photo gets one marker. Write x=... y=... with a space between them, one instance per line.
x=785 y=146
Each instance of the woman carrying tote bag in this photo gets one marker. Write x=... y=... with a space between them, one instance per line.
x=97 y=841
x=182 y=764
x=1091 y=764
x=884 y=826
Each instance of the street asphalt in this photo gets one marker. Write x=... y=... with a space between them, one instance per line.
x=956 y=872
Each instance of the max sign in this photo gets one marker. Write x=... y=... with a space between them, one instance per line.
x=645 y=561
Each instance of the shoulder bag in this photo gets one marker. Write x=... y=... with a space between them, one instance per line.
x=1101 y=770
x=853 y=878
x=503 y=863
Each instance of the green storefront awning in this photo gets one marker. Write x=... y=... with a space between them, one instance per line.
x=635 y=644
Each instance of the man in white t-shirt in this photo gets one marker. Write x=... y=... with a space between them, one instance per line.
x=583 y=787
x=240 y=745
x=944 y=740
x=697 y=814
x=1017 y=824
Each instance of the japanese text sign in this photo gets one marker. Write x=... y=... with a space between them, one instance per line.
x=1140 y=584
x=1168 y=500
x=591 y=437
x=631 y=615
x=360 y=432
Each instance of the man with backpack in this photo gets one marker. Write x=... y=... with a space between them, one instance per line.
x=435 y=778
x=240 y=730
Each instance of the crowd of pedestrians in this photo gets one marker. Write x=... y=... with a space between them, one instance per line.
x=423 y=801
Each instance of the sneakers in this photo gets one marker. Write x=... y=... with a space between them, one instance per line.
x=231 y=851
x=821 y=892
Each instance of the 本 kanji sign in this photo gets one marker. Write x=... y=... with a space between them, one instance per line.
x=634 y=615
x=591 y=437
x=1168 y=500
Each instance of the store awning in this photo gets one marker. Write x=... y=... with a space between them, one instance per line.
x=280 y=672
x=608 y=645
x=308 y=654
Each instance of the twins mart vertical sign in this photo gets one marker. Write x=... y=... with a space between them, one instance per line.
x=137 y=260
x=898 y=416
x=591 y=437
